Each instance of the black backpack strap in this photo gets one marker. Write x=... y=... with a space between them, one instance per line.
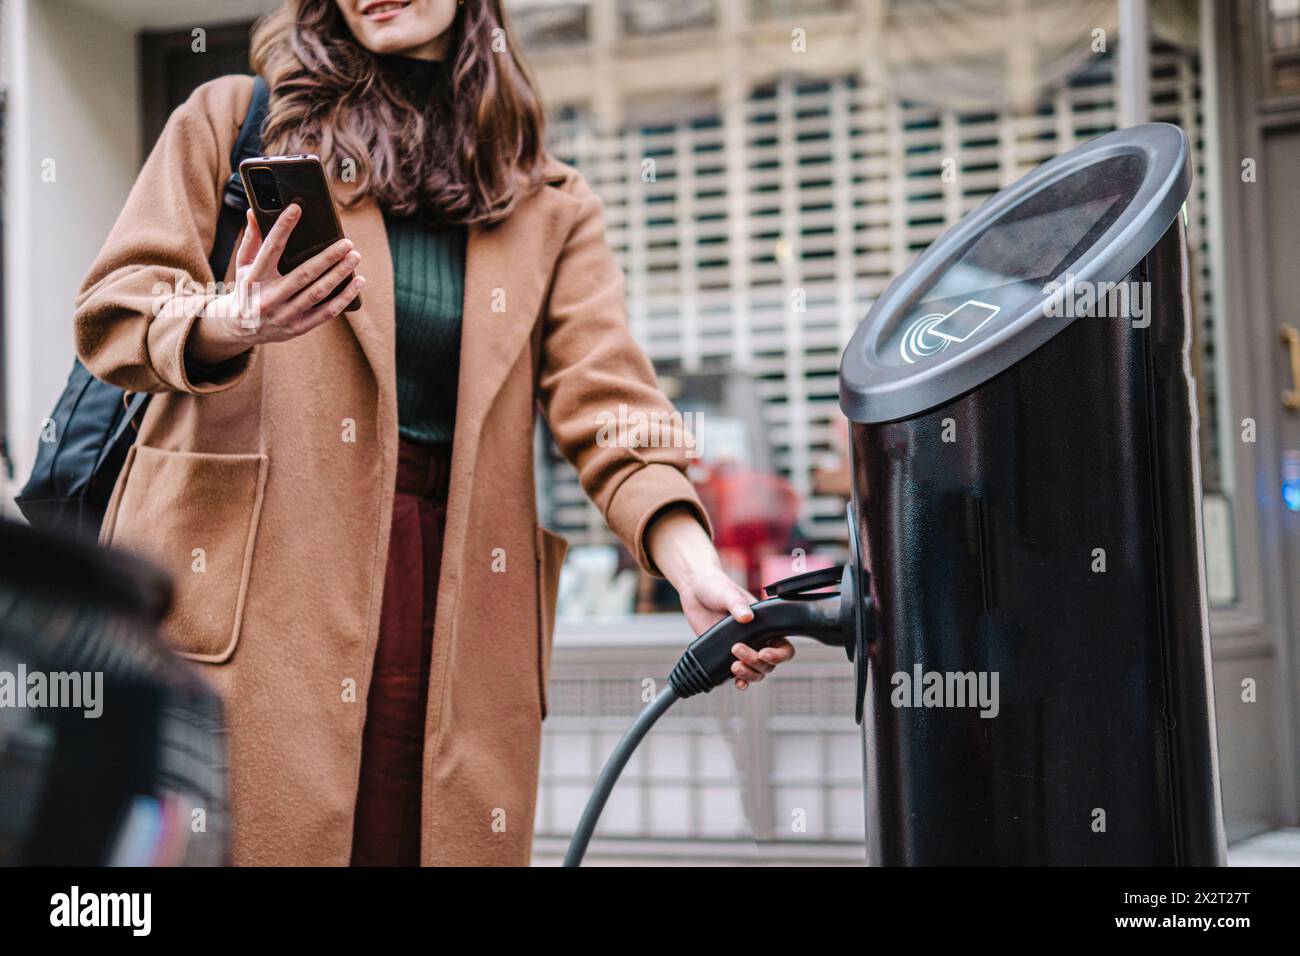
x=230 y=219
x=133 y=403
x=72 y=479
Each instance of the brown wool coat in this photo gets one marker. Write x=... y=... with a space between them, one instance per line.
x=276 y=527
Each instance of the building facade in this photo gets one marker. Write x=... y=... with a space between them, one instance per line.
x=767 y=167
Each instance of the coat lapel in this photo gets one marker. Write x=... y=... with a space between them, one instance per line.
x=507 y=274
x=373 y=322
x=508 y=268
x=507 y=271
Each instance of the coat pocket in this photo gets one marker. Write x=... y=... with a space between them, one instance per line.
x=551 y=549
x=196 y=515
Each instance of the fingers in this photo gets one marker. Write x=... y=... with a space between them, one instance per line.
x=727 y=597
x=752 y=666
x=331 y=309
x=746 y=674
x=778 y=652
x=328 y=269
x=249 y=243
x=749 y=666
x=739 y=606
x=715 y=592
x=265 y=265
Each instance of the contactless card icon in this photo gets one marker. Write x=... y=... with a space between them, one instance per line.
x=937 y=331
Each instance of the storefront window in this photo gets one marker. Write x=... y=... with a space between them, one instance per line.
x=1282 y=57
x=756 y=232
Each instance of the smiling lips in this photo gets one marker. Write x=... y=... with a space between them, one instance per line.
x=384 y=9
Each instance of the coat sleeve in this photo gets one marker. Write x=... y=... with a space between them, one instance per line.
x=151 y=280
x=595 y=379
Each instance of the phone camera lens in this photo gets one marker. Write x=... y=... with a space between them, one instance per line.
x=264 y=188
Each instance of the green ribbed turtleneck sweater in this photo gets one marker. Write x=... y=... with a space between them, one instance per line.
x=428 y=296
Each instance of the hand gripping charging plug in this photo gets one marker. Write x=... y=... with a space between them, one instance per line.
x=800 y=606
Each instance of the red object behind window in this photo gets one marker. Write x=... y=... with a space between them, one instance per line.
x=754 y=515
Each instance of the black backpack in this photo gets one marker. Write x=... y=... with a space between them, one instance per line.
x=94 y=422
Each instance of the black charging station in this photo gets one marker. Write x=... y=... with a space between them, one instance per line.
x=1024 y=603
x=1027 y=496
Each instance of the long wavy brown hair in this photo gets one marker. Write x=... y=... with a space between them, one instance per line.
x=464 y=158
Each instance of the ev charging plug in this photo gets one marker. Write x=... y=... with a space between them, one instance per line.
x=800 y=607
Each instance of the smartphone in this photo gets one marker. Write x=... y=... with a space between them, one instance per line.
x=272 y=183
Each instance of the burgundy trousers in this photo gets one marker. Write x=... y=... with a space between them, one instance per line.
x=386 y=828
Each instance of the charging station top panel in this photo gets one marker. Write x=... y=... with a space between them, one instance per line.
x=980 y=298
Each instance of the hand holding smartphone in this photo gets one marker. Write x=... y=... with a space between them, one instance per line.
x=294 y=269
x=272 y=184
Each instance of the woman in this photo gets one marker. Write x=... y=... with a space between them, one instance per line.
x=346 y=498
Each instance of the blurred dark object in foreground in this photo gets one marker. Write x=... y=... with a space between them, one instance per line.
x=129 y=767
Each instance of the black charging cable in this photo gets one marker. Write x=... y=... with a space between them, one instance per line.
x=612 y=770
x=800 y=607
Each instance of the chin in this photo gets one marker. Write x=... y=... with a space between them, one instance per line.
x=412 y=26
x=389 y=41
